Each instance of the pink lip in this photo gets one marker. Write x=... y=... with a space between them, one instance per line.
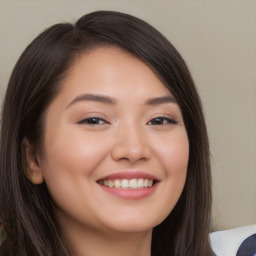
x=133 y=194
x=130 y=175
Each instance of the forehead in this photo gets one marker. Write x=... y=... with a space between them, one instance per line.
x=112 y=70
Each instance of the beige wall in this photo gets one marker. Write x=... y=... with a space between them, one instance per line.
x=217 y=39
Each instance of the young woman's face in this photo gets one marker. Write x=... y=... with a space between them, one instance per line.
x=112 y=131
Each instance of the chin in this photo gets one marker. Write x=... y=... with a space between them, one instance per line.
x=134 y=223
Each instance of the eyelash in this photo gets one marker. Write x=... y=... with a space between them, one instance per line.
x=93 y=121
x=156 y=120
x=163 y=120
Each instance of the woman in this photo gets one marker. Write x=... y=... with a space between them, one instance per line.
x=104 y=148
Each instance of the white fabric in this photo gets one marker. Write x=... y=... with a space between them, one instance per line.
x=227 y=242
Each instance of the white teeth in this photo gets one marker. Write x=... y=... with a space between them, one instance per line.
x=117 y=184
x=133 y=183
x=124 y=183
x=110 y=184
x=140 y=183
x=128 y=184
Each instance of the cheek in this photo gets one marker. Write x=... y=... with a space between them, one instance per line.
x=75 y=152
x=70 y=167
x=173 y=153
x=176 y=164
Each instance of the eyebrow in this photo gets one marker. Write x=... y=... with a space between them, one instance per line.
x=161 y=100
x=93 y=97
x=112 y=101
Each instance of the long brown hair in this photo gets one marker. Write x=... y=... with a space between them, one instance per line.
x=26 y=209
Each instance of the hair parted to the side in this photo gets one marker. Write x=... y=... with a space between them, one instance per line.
x=26 y=210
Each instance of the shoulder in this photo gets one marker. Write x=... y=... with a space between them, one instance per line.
x=227 y=242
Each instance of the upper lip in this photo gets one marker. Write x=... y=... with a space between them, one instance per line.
x=129 y=175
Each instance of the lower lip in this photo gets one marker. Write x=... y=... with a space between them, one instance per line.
x=133 y=194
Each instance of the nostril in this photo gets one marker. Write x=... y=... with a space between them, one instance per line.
x=129 y=153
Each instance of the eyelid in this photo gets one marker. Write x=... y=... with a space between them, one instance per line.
x=170 y=120
x=86 y=120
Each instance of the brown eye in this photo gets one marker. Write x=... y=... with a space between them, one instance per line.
x=162 y=121
x=93 y=121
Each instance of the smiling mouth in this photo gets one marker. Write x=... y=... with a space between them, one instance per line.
x=128 y=183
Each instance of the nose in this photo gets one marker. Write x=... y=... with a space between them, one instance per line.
x=131 y=144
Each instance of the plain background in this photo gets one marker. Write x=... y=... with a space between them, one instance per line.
x=218 y=41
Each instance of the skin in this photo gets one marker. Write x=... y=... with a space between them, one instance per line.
x=126 y=137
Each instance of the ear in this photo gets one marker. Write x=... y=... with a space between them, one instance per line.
x=31 y=163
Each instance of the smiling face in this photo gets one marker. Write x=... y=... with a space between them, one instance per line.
x=115 y=148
